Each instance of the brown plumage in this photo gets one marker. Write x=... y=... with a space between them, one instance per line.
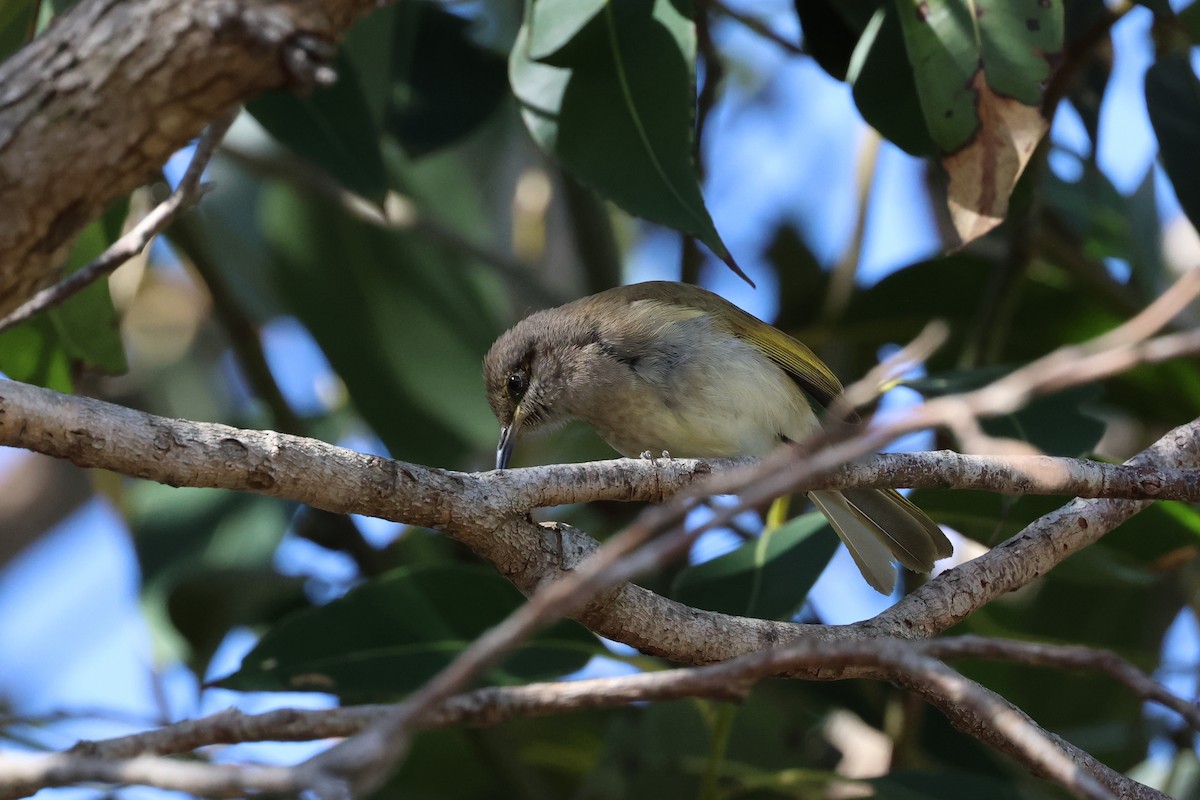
x=670 y=367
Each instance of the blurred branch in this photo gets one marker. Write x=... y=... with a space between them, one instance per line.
x=1070 y=658
x=592 y=230
x=758 y=27
x=891 y=659
x=845 y=272
x=206 y=780
x=186 y=194
x=35 y=495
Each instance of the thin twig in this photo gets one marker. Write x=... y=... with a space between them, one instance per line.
x=1072 y=657
x=758 y=27
x=186 y=194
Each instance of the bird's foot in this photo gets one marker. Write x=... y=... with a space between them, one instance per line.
x=648 y=456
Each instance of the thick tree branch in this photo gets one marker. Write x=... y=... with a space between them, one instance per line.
x=186 y=194
x=93 y=107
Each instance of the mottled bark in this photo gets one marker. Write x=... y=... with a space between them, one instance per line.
x=94 y=106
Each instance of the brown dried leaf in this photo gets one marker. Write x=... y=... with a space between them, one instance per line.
x=983 y=173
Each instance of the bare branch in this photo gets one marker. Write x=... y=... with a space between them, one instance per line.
x=1066 y=657
x=186 y=194
x=913 y=664
x=208 y=780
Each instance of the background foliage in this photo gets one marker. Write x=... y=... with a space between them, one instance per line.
x=478 y=160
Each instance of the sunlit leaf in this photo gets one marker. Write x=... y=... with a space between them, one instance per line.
x=980 y=69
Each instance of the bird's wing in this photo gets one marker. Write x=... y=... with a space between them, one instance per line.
x=801 y=364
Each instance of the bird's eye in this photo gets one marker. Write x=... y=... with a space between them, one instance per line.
x=518 y=382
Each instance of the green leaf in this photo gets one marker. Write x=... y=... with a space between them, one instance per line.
x=33 y=353
x=615 y=104
x=83 y=330
x=766 y=578
x=445 y=85
x=16 y=20
x=554 y=24
x=832 y=29
x=949 y=41
x=1173 y=102
x=388 y=636
x=87 y=323
x=333 y=128
x=942 y=785
x=885 y=89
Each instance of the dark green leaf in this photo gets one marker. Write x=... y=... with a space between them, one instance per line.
x=1082 y=19
x=832 y=29
x=885 y=89
x=389 y=635
x=1056 y=424
x=404 y=323
x=802 y=282
x=445 y=84
x=205 y=604
x=333 y=128
x=16 y=25
x=1173 y=101
x=766 y=578
x=941 y=785
x=625 y=79
x=1190 y=17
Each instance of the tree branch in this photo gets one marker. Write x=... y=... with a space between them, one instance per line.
x=93 y=107
x=186 y=194
x=913 y=664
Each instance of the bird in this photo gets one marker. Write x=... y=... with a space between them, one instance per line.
x=674 y=368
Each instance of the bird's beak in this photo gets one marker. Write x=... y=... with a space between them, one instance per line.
x=508 y=443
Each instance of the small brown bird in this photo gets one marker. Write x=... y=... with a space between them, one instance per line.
x=671 y=367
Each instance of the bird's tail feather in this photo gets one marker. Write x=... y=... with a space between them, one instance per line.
x=879 y=526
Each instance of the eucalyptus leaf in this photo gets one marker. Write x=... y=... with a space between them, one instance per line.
x=615 y=104
x=1173 y=101
x=949 y=41
x=444 y=85
x=333 y=128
